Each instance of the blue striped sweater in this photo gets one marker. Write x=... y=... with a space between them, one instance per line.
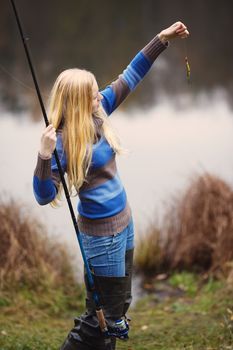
x=102 y=207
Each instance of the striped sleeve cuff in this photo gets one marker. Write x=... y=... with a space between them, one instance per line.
x=43 y=168
x=153 y=49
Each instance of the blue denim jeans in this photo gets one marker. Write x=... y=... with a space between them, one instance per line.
x=106 y=254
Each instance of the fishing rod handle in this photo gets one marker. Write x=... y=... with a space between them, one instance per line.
x=101 y=319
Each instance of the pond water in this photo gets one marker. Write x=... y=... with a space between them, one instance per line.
x=167 y=146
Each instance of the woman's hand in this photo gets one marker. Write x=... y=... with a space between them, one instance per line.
x=176 y=30
x=48 y=142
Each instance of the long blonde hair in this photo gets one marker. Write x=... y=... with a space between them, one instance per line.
x=71 y=106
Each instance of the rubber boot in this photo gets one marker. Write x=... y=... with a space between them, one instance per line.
x=128 y=271
x=86 y=334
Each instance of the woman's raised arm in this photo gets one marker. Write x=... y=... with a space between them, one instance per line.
x=115 y=93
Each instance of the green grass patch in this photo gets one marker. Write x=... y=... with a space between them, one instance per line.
x=200 y=319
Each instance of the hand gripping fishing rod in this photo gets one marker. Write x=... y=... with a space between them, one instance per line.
x=99 y=311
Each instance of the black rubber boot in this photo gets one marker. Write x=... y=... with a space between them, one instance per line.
x=128 y=272
x=86 y=334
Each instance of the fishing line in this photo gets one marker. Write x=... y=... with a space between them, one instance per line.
x=16 y=79
x=27 y=87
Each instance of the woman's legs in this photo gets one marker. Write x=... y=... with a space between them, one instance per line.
x=107 y=257
x=112 y=256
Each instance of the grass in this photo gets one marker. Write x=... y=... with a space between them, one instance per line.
x=30 y=320
x=201 y=318
x=195 y=233
x=196 y=320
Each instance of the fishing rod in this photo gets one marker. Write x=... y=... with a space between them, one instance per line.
x=95 y=296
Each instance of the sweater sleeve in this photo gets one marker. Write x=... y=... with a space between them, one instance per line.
x=46 y=179
x=115 y=93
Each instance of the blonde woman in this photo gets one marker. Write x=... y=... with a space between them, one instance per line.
x=87 y=148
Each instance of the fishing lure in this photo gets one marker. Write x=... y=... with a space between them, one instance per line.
x=188 y=70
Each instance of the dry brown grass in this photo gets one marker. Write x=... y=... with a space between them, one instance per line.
x=197 y=229
x=200 y=229
x=149 y=255
x=27 y=256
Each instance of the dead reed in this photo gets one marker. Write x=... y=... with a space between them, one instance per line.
x=197 y=230
x=149 y=253
x=27 y=255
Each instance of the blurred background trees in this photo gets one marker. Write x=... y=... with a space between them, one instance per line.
x=103 y=37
